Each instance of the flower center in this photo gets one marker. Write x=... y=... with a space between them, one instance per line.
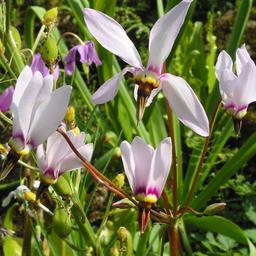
x=147 y=80
x=147 y=195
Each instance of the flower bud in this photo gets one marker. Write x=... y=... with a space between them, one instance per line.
x=214 y=208
x=30 y=196
x=70 y=114
x=111 y=138
x=2 y=49
x=122 y=234
x=62 y=187
x=114 y=251
x=49 y=50
x=119 y=180
x=50 y=17
x=15 y=37
x=61 y=222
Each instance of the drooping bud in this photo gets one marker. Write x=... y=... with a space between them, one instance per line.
x=15 y=37
x=61 y=222
x=214 y=208
x=114 y=251
x=50 y=17
x=119 y=180
x=62 y=187
x=70 y=114
x=2 y=49
x=122 y=234
x=111 y=138
x=49 y=50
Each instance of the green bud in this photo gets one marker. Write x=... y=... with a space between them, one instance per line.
x=49 y=50
x=214 y=208
x=50 y=17
x=119 y=180
x=122 y=234
x=2 y=49
x=62 y=187
x=114 y=251
x=61 y=222
x=15 y=36
x=111 y=138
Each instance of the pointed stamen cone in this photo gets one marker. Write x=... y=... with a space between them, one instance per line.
x=43 y=187
x=143 y=217
x=142 y=98
x=237 y=126
x=9 y=163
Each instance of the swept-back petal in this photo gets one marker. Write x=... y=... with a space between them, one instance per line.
x=224 y=62
x=40 y=155
x=128 y=162
x=110 y=34
x=21 y=84
x=28 y=101
x=164 y=33
x=242 y=57
x=49 y=115
x=110 y=88
x=71 y=161
x=6 y=99
x=143 y=154
x=185 y=104
x=161 y=165
x=245 y=90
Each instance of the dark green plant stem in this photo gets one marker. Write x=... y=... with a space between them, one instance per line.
x=8 y=16
x=7 y=66
x=204 y=151
x=26 y=248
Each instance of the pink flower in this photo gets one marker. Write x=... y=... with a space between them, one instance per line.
x=149 y=80
x=237 y=90
x=146 y=169
x=58 y=157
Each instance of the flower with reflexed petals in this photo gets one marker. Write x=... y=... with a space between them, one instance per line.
x=87 y=53
x=150 y=80
x=39 y=65
x=237 y=90
x=147 y=170
x=37 y=112
x=58 y=157
x=6 y=99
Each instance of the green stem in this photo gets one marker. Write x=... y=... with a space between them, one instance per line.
x=26 y=248
x=38 y=38
x=8 y=16
x=204 y=151
x=7 y=66
x=5 y=118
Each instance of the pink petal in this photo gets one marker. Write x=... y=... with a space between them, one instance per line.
x=242 y=57
x=161 y=165
x=109 y=89
x=164 y=33
x=185 y=104
x=224 y=62
x=112 y=36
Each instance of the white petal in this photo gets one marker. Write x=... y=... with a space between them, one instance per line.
x=109 y=89
x=49 y=115
x=46 y=89
x=242 y=57
x=161 y=165
x=110 y=34
x=185 y=104
x=128 y=162
x=40 y=155
x=28 y=101
x=21 y=84
x=224 y=62
x=164 y=33
x=71 y=161
x=245 y=90
x=143 y=155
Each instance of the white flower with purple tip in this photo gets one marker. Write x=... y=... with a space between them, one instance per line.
x=87 y=53
x=237 y=89
x=37 y=110
x=150 y=80
x=146 y=169
x=6 y=99
x=59 y=157
x=39 y=65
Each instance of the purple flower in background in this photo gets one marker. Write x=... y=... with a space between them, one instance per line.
x=87 y=53
x=6 y=99
x=37 y=111
x=39 y=65
x=150 y=80
x=238 y=89
x=146 y=169
x=58 y=157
